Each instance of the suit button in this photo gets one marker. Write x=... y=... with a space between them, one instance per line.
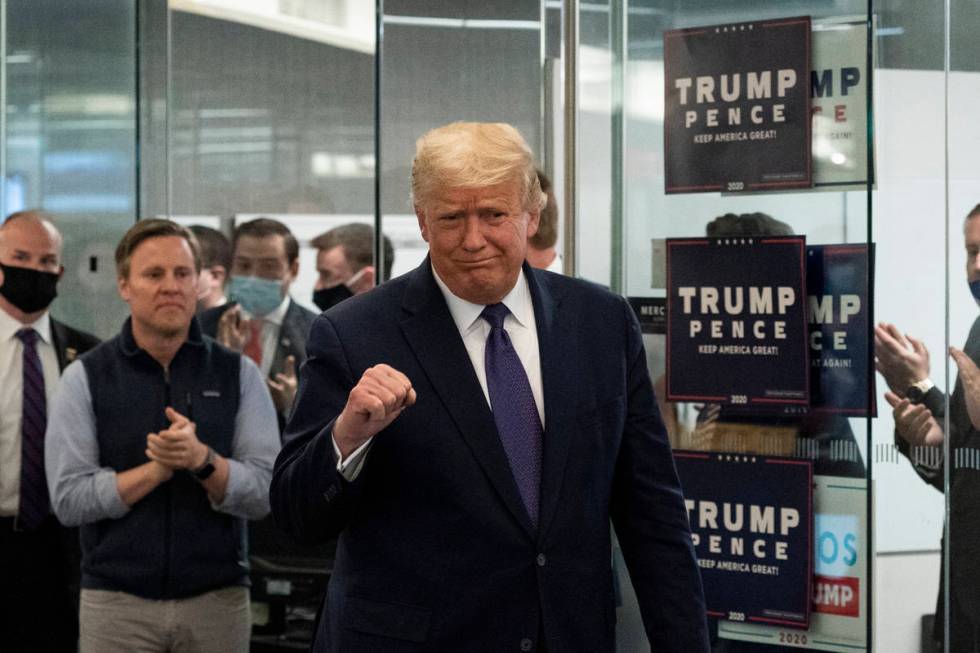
x=526 y=644
x=542 y=560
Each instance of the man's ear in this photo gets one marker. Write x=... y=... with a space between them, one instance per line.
x=61 y=271
x=366 y=282
x=122 y=285
x=533 y=221
x=423 y=227
x=294 y=269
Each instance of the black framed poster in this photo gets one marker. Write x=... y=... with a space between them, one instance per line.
x=737 y=107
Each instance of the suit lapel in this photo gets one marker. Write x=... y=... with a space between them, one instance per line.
x=291 y=340
x=59 y=338
x=558 y=385
x=432 y=334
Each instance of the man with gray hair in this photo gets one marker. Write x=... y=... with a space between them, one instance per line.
x=468 y=430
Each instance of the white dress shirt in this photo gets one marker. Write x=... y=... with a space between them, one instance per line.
x=520 y=326
x=12 y=397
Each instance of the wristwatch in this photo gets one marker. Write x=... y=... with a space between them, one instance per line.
x=204 y=471
x=916 y=392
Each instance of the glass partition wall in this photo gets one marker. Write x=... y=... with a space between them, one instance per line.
x=720 y=368
x=213 y=113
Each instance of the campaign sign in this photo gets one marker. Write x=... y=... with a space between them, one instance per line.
x=838 y=284
x=736 y=323
x=838 y=620
x=737 y=107
x=751 y=519
x=651 y=312
x=839 y=90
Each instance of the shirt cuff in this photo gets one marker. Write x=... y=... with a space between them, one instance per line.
x=351 y=467
x=107 y=494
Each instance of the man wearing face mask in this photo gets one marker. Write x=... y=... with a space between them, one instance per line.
x=38 y=557
x=918 y=408
x=262 y=321
x=345 y=263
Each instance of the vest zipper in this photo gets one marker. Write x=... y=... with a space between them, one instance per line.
x=167 y=516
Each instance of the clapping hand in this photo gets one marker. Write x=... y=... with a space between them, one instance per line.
x=914 y=423
x=283 y=388
x=901 y=359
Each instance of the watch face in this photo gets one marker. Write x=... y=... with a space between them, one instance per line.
x=915 y=394
x=205 y=472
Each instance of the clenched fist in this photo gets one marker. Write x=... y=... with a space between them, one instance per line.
x=378 y=398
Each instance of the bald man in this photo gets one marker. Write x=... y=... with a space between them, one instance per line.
x=38 y=557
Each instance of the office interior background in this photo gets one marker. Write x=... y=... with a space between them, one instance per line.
x=216 y=111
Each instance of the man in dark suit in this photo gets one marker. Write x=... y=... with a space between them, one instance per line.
x=39 y=559
x=470 y=428
x=262 y=321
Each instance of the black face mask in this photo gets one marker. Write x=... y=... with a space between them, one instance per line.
x=27 y=289
x=327 y=297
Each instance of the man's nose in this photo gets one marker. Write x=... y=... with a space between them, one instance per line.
x=473 y=233
x=171 y=283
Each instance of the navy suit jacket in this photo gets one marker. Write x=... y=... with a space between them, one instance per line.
x=436 y=550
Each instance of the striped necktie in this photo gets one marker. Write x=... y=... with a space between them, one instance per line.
x=34 y=502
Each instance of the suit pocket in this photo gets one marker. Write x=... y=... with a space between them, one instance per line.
x=393 y=620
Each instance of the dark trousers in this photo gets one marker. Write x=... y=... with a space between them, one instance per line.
x=39 y=575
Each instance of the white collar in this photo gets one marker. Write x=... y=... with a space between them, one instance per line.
x=9 y=326
x=276 y=316
x=465 y=314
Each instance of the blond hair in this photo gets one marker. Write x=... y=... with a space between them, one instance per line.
x=473 y=155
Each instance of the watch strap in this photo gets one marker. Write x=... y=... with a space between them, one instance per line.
x=205 y=470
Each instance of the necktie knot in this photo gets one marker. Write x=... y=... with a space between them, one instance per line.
x=495 y=314
x=28 y=336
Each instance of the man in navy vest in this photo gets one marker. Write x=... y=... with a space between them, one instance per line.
x=160 y=446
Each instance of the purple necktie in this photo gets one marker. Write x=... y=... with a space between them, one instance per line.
x=34 y=502
x=514 y=410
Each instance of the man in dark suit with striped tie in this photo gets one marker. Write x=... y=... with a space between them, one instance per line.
x=38 y=557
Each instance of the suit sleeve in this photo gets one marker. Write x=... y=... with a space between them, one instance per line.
x=310 y=499
x=651 y=520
